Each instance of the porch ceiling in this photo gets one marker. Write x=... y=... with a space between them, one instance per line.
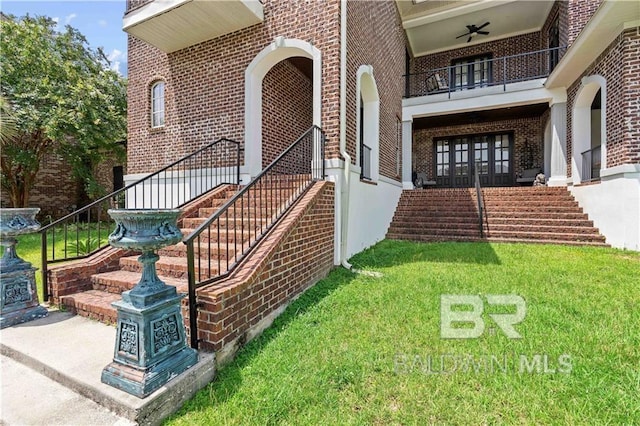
x=432 y=26
x=473 y=117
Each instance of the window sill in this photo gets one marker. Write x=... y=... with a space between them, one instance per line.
x=368 y=182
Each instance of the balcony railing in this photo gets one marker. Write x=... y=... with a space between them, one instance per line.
x=591 y=164
x=365 y=162
x=497 y=72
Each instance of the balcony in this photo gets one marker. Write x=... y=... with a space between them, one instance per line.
x=483 y=73
x=171 y=25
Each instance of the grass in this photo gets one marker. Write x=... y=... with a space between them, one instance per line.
x=80 y=239
x=356 y=349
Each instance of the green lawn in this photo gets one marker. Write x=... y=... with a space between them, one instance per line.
x=356 y=349
x=80 y=240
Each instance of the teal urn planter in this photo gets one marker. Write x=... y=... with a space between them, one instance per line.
x=150 y=346
x=18 y=293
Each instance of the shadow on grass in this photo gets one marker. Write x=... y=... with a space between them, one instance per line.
x=389 y=253
x=229 y=379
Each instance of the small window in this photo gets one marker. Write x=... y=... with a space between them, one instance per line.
x=157 y=104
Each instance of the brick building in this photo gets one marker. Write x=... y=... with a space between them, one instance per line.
x=407 y=92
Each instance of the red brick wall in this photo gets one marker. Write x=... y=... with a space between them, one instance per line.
x=498 y=48
x=578 y=14
x=529 y=130
x=56 y=192
x=205 y=83
x=375 y=37
x=620 y=66
x=287 y=108
x=298 y=253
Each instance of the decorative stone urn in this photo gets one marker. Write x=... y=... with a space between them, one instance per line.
x=18 y=294
x=150 y=344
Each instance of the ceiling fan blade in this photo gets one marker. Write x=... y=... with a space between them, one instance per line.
x=463 y=35
x=483 y=25
x=470 y=28
x=469 y=39
x=483 y=32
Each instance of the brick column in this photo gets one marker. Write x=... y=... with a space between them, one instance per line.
x=407 y=142
x=558 y=145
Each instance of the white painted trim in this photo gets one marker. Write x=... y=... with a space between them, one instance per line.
x=281 y=49
x=390 y=181
x=624 y=170
x=481 y=99
x=605 y=25
x=466 y=8
x=478 y=41
x=367 y=88
x=581 y=122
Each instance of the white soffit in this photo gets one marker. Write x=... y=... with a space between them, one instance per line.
x=435 y=29
x=611 y=18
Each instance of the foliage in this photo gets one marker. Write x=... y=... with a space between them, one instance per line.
x=62 y=96
x=354 y=349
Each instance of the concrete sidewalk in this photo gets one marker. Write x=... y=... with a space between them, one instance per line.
x=51 y=370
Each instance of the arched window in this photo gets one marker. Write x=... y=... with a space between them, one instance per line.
x=157 y=104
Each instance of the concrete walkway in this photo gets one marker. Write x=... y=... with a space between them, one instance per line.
x=51 y=370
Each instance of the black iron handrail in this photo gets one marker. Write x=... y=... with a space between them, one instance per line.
x=480 y=200
x=501 y=71
x=219 y=244
x=84 y=231
x=365 y=162
x=591 y=163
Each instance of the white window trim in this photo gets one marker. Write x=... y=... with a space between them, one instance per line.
x=160 y=112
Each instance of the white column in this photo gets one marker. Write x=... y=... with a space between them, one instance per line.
x=407 y=146
x=558 y=145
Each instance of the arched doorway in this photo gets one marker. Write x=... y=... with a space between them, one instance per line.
x=279 y=53
x=589 y=150
x=367 y=124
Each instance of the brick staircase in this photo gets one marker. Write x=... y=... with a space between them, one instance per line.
x=519 y=214
x=106 y=287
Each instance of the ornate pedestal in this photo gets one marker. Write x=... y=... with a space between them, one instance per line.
x=150 y=341
x=18 y=294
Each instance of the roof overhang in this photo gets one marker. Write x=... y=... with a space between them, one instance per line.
x=609 y=20
x=432 y=26
x=172 y=25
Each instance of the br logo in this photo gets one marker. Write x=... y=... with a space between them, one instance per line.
x=505 y=322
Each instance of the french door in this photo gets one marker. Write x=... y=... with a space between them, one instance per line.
x=456 y=159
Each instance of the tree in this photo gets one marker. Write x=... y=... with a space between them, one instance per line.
x=58 y=94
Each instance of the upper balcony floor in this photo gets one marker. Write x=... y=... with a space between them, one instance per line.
x=171 y=25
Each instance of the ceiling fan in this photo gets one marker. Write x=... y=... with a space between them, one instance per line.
x=473 y=30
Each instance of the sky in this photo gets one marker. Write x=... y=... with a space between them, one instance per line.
x=99 y=21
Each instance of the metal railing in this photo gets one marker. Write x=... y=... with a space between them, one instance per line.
x=219 y=244
x=591 y=163
x=365 y=162
x=499 y=71
x=85 y=231
x=480 y=199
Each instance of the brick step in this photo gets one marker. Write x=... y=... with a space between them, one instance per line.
x=204 y=251
x=542 y=229
x=261 y=212
x=525 y=205
x=425 y=226
x=119 y=281
x=94 y=304
x=225 y=236
x=398 y=230
x=538 y=209
x=561 y=236
x=434 y=218
x=544 y=221
x=571 y=215
x=432 y=238
x=438 y=208
x=541 y=241
x=528 y=197
x=167 y=266
x=248 y=222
